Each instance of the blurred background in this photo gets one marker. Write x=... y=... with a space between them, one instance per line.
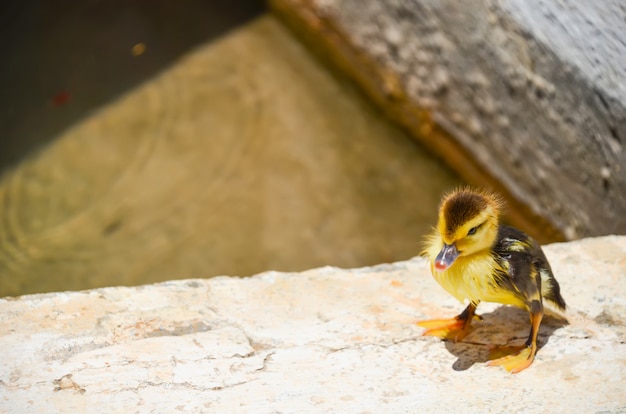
x=148 y=140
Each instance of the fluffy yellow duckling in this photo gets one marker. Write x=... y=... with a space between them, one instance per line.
x=474 y=258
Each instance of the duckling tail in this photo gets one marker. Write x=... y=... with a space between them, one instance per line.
x=554 y=293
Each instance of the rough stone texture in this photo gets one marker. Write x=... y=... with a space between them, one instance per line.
x=325 y=340
x=533 y=92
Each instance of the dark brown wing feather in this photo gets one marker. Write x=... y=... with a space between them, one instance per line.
x=525 y=263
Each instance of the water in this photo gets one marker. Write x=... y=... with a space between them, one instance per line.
x=242 y=154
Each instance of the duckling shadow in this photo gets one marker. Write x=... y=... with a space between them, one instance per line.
x=504 y=326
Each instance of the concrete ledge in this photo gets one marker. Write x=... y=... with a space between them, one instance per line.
x=529 y=97
x=325 y=340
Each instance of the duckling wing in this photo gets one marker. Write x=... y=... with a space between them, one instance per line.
x=519 y=276
x=526 y=266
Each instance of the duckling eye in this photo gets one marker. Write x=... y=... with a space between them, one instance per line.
x=472 y=231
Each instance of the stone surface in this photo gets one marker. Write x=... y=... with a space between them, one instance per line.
x=325 y=340
x=530 y=96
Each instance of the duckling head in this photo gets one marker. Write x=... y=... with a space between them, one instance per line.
x=468 y=224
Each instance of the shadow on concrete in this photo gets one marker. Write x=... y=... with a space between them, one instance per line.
x=63 y=59
x=507 y=325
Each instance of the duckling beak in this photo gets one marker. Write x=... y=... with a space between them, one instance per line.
x=446 y=257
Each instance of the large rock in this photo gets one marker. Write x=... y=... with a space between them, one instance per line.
x=325 y=340
x=530 y=97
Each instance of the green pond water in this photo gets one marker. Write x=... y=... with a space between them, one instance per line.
x=218 y=146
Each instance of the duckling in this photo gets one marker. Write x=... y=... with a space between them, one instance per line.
x=476 y=259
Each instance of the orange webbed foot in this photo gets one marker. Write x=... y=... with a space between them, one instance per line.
x=454 y=329
x=519 y=358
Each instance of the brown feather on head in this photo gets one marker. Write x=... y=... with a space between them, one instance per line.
x=463 y=205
